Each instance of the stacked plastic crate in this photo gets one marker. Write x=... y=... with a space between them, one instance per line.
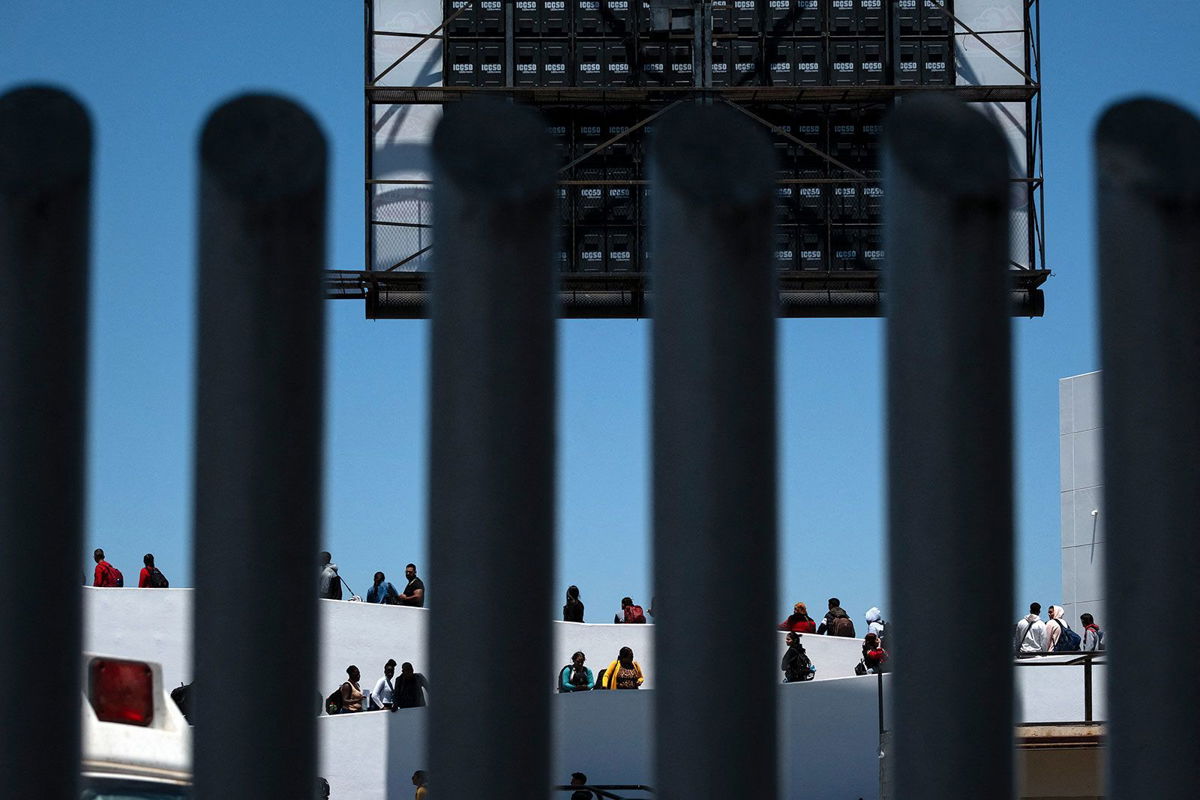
x=475 y=49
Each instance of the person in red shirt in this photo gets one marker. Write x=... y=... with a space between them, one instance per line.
x=151 y=578
x=106 y=573
x=799 y=621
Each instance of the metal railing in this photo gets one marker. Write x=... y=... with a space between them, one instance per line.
x=1086 y=660
x=607 y=791
x=492 y=475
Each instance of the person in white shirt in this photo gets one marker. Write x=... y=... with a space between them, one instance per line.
x=382 y=698
x=1029 y=636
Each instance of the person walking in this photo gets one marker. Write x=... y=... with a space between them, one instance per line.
x=150 y=577
x=382 y=591
x=383 y=695
x=1029 y=634
x=352 y=696
x=837 y=622
x=411 y=688
x=330 y=583
x=624 y=673
x=575 y=677
x=106 y=575
x=573 y=608
x=414 y=592
x=796 y=664
x=798 y=621
x=1093 y=637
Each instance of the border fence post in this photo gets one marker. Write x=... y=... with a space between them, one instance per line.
x=1148 y=202
x=714 y=506
x=949 y=437
x=492 y=451
x=45 y=187
x=259 y=410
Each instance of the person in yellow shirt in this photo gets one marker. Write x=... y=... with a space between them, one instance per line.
x=420 y=780
x=624 y=673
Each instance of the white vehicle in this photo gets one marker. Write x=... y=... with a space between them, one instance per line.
x=136 y=743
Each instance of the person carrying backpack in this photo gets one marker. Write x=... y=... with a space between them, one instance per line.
x=1093 y=637
x=106 y=574
x=837 y=622
x=1059 y=636
x=796 y=664
x=150 y=577
x=633 y=613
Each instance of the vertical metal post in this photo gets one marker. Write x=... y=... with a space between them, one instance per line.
x=1148 y=199
x=259 y=407
x=1087 y=689
x=45 y=185
x=492 y=445
x=714 y=451
x=950 y=535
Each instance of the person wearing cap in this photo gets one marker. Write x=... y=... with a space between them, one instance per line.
x=799 y=621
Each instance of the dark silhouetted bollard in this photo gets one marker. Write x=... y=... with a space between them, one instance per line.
x=45 y=185
x=258 y=449
x=714 y=453
x=491 y=482
x=1148 y=198
x=949 y=448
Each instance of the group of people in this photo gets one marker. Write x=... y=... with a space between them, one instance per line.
x=391 y=692
x=108 y=576
x=835 y=623
x=382 y=590
x=796 y=664
x=623 y=673
x=630 y=612
x=1032 y=636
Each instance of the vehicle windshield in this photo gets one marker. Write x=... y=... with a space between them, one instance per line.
x=109 y=789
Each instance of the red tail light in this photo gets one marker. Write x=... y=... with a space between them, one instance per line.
x=121 y=691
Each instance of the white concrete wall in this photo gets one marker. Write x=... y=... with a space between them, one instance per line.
x=1081 y=484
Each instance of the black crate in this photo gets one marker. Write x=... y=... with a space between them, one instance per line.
x=589 y=63
x=527 y=57
x=811 y=127
x=490 y=70
x=625 y=152
x=460 y=67
x=810 y=17
x=933 y=21
x=722 y=68
x=589 y=21
x=722 y=17
x=812 y=199
x=744 y=16
x=937 y=63
x=589 y=197
x=785 y=193
x=871 y=62
x=526 y=19
x=872 y=197
x=781 y=17
x=844 y=135
x=781 y=63
x=562 y=201
x=653 y=66
x=555 y=64
x=871 y=240
x=565 y=250
x=622 y=249
x=907 y=63
x=846 y=248
x=554 y=17
x=745 y=63
x=908 y=17
x=618 y=63
x=590 y=247
x=680 y=64
x=843 y=63
x=843 y=17
x=589 y=133
x=811 y=249
x=845 y=202
x=489 y=18
x=870 y=136
x=787 y=242
x=620 y=201
x=872 y=17
x=811 y=69
x=558 y=125
x=464 y=23
x=618 y=17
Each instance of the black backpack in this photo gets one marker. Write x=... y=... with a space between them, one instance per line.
x=1068 y=640
x=333 y=703
x=156 y=580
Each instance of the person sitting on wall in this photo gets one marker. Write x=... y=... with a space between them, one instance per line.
x=573 y=609
x=799 y=621
x=382 y=590
x=874 y=657
x=575 y=677
x=411 y=688
x=624 y=673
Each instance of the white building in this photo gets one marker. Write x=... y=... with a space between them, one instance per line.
x=1081 y=481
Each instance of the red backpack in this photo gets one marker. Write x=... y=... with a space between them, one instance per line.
x=117 y=578
x=634 y=614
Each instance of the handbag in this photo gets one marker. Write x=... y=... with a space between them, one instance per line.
x=860 y=668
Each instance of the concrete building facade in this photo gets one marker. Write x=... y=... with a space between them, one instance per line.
x=1081 y=483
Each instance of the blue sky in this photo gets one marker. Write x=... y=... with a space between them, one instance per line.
x=150 y=72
